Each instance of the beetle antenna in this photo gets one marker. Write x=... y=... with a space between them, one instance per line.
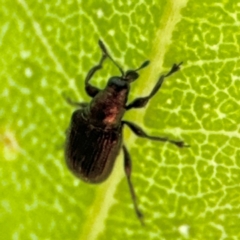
x=104 y=49
x=145 y=64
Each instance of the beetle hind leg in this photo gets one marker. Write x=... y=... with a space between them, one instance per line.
x=128 y=170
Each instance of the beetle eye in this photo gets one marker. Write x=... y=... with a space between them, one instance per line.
x=131 y=75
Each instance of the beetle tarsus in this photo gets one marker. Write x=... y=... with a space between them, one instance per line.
x=102 y=46
x=179 y=144
x=104 y=49
x=175 y=68
x=141 y=218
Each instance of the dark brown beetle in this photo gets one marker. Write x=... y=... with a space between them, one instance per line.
x=95 y=133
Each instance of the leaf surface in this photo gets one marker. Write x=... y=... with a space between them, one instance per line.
x=46 y=51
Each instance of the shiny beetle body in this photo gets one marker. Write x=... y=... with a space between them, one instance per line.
x=91 y=151
x=94 y=137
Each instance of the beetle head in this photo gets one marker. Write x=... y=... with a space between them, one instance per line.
x=126 y=78
x=132 y=75
x=117 y=82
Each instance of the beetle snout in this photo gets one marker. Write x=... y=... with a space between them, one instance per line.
x=131 y=75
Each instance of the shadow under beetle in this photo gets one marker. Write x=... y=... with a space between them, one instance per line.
x=95 y=135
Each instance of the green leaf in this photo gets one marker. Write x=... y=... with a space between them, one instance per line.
x=46 y=51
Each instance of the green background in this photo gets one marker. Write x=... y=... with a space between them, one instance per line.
x=46 y=49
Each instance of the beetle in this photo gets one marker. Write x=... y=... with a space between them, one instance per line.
x=95 y=135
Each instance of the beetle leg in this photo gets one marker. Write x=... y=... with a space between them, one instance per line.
x=142 y=101
x=139 y=132
x=91 y=90
x=128 y=170
x=73 y=103
x=104 y=50
x=76 y=104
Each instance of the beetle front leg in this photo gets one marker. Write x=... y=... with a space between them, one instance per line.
x=91 y=90
x=139 y=132
x=142 y=101
x=128 y=170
